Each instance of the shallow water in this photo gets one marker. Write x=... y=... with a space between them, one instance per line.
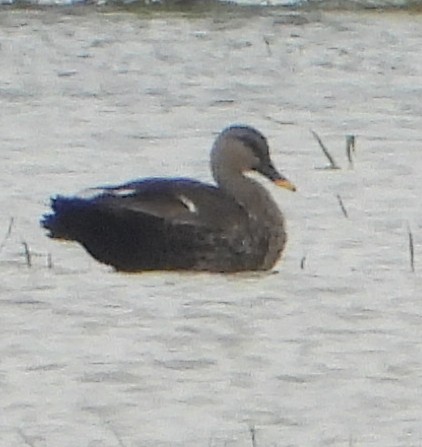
x=189 y=5
x=325 y=355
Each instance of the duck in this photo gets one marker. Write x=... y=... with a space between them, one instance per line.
x=181 y=223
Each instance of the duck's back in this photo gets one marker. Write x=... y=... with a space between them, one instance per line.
x=161 y=224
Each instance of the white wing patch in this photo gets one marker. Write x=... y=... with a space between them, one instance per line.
x=188 y=203
x=123 y=192
x=91 y=193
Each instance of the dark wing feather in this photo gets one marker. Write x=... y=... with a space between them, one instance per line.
x=177 y=200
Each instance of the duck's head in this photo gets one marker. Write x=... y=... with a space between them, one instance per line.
x=240 y=149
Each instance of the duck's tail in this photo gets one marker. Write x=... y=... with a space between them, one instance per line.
x=66 y=218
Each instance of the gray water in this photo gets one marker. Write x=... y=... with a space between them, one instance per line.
x=210 y=4
x=327 y=355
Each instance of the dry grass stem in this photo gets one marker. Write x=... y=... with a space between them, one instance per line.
x=116 y=435
x=252 y=431
x=350 y=148
x=411 y=249
x=282 y=123
x=267 y=44
x=333 y=164
x=302 y=263
x=343 y=208
x=25 y=438
x=28 y=256
x=8 y=233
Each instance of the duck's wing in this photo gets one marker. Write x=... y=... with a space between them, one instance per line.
x=177 y=200
x=158 y=224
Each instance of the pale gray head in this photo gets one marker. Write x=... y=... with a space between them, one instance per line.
x=239 y=149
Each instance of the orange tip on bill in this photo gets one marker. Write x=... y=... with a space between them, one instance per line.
x=284 y=183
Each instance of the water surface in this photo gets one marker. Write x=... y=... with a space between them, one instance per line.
x=325 y=355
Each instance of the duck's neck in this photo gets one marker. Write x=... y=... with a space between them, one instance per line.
x=249 y=193
x=265 y=218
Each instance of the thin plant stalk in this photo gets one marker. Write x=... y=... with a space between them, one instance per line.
x=268 y=46
x=411 y=249
x=116 y=435
x=350 y=147
x=333 y=164
x=343 y=208
x=8 y=233
x=27 y=252
x=49 y=261
x=252 y=431
x=25 y=438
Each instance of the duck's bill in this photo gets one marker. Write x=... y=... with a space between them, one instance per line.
x=269 y=171
x=284 y=183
